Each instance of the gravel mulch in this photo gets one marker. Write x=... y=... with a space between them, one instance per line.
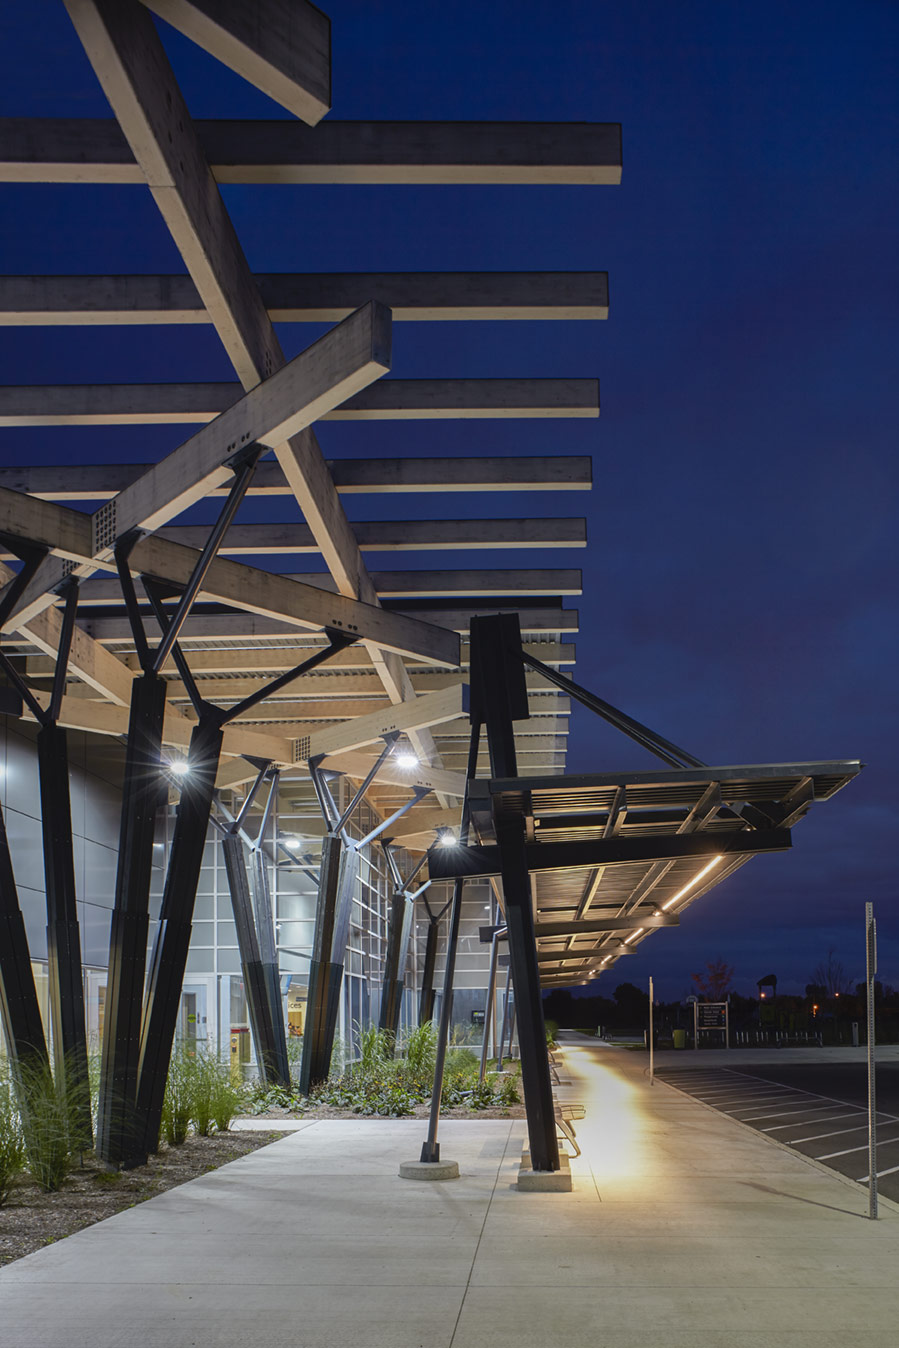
x=31 y=1219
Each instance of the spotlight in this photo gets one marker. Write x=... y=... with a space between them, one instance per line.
x=445 y=837
x=292 y=843
x=179 y=767
x=406 y=759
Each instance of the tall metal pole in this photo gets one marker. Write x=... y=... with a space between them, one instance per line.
x=651 y=1042
x=871 y=961
x=430 y=1150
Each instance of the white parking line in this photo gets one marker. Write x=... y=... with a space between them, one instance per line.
x=847 y=1151
x=765 y=1102
x=816 y=1137
x=834 y=1118
x=865 y=1179
x=764 y=1105
x=782 y=1113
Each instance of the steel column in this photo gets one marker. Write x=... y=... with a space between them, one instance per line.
x=346 y=887
x=63 y=933
x=489 y=1005
x=117 y=1141
x=426 y=999
x=399 y=928
x=499 y=695
x=250 y=960
x=332 y=917
x=430 y=1150
x=170 y=947
x=268 y=954
x=535 y=1074
x=19 y=1006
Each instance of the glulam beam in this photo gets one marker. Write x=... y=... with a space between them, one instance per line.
x=71 y=150
x=283 y=47
x=87 y=301
x=97 y=482
x=391 y=400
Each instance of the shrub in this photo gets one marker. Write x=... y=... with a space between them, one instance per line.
x=552 y=1029
x=12 y=1143
x=507 y=1094
x=178 y=1102
x=225 y=1098
x=46 y=1123
x=420 y=1052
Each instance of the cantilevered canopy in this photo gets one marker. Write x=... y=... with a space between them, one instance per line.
x=614 y=856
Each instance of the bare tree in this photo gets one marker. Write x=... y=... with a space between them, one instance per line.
x=831 y=976
x=715 y=982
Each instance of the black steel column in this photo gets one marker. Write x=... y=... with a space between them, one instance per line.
x=265 y=928
x=428 y=994
x=250 y=961
x=535 y=1074
x=175 y=918
x=19 y=1006
x=399 y=927
x=312 y=1068
x=117 y=1141
x=63 y=934
x=499 y=695
x=334 y=973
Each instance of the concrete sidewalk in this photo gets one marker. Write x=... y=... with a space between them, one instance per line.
x=682 y=1229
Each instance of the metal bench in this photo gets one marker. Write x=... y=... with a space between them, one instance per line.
x=564 y=1114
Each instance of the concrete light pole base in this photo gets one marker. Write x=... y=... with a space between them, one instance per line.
x=547 y=1181
x=429 y=1170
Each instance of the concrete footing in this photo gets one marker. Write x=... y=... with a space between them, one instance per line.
x=429 y=1170
x=546 y=1181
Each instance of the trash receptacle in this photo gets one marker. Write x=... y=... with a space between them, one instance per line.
x=680 y=1038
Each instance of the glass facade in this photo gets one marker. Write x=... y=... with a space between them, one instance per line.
x=213 y=1004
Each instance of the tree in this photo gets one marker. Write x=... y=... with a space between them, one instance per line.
x=632 y=1003
x=831 y=976
x=715 y=982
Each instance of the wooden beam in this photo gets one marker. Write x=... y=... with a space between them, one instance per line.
x=351 y=663
x=102 y=672
x=39 y=301
x=422 y=823
x=103 y=718
x=350 y=355
x=248 y=628
x=358 y=765
x=390 y=400
x=273 y=597
x=327 y=708
x=397 y=584
x=333 y=687
x=67 y=150
x=411 y=535
x=283 y=47
x=97 y=482
x=420 y=714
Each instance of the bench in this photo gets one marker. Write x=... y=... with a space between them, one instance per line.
x=564 y=1114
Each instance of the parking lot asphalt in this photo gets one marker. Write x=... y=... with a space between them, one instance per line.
x=818 y=1109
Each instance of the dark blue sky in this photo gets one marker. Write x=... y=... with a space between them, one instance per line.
x=740 y=581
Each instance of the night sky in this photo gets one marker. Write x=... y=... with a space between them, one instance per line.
x=740 y=578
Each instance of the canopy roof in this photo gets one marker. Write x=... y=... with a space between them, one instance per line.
x=613 y=856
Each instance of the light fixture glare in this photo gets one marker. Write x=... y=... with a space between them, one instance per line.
x=690 y=883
